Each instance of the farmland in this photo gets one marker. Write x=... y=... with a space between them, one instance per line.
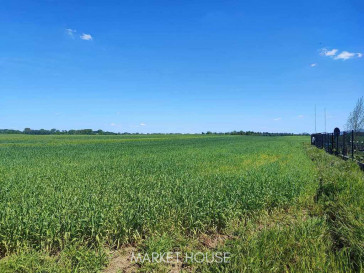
x=63 y=197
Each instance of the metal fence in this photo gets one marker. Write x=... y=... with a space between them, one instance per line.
x=348 y=144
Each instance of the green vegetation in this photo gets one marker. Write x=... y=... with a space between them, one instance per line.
x=66 y=201
x=341 y=192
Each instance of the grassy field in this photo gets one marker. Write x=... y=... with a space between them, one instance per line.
x=74 y=203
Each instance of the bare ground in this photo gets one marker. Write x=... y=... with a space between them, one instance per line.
x=121 y=261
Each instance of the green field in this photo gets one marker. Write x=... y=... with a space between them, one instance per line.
x=69 y=203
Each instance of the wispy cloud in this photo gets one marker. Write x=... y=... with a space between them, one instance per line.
x=86 y=37
x=343 y=55
x=300 y=116
x=70 y=32
x=326 y=52
x=277 y=119
x=142 y=124
x=313 y=65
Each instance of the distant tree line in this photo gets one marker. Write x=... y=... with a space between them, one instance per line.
x=29 y=131
x=251 y=133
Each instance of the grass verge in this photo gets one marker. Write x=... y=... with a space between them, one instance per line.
x=341 y=195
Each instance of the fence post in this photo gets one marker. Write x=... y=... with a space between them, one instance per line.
x=344 y=147
x=324 y=142
x=337 y=145
x=352 y=144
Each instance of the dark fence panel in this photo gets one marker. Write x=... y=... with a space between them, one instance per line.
x=348 y=144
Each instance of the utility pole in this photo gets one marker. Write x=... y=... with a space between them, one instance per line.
x=315 y=120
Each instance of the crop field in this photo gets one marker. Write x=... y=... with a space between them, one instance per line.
x=68 y=203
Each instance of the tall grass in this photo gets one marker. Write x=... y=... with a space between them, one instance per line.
x=341 y=194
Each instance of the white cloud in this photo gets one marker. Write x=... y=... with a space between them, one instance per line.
x=86 y=37
x=277 y=119
x=313 y=65
x=330 y=53
x=70 y=32
x=142 y=124
x=345 y=55
x=300 y=116
x=112 y=124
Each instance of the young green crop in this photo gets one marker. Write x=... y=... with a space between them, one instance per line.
x=115 y=189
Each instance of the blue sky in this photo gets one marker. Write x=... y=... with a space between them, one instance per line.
x=180 y=66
